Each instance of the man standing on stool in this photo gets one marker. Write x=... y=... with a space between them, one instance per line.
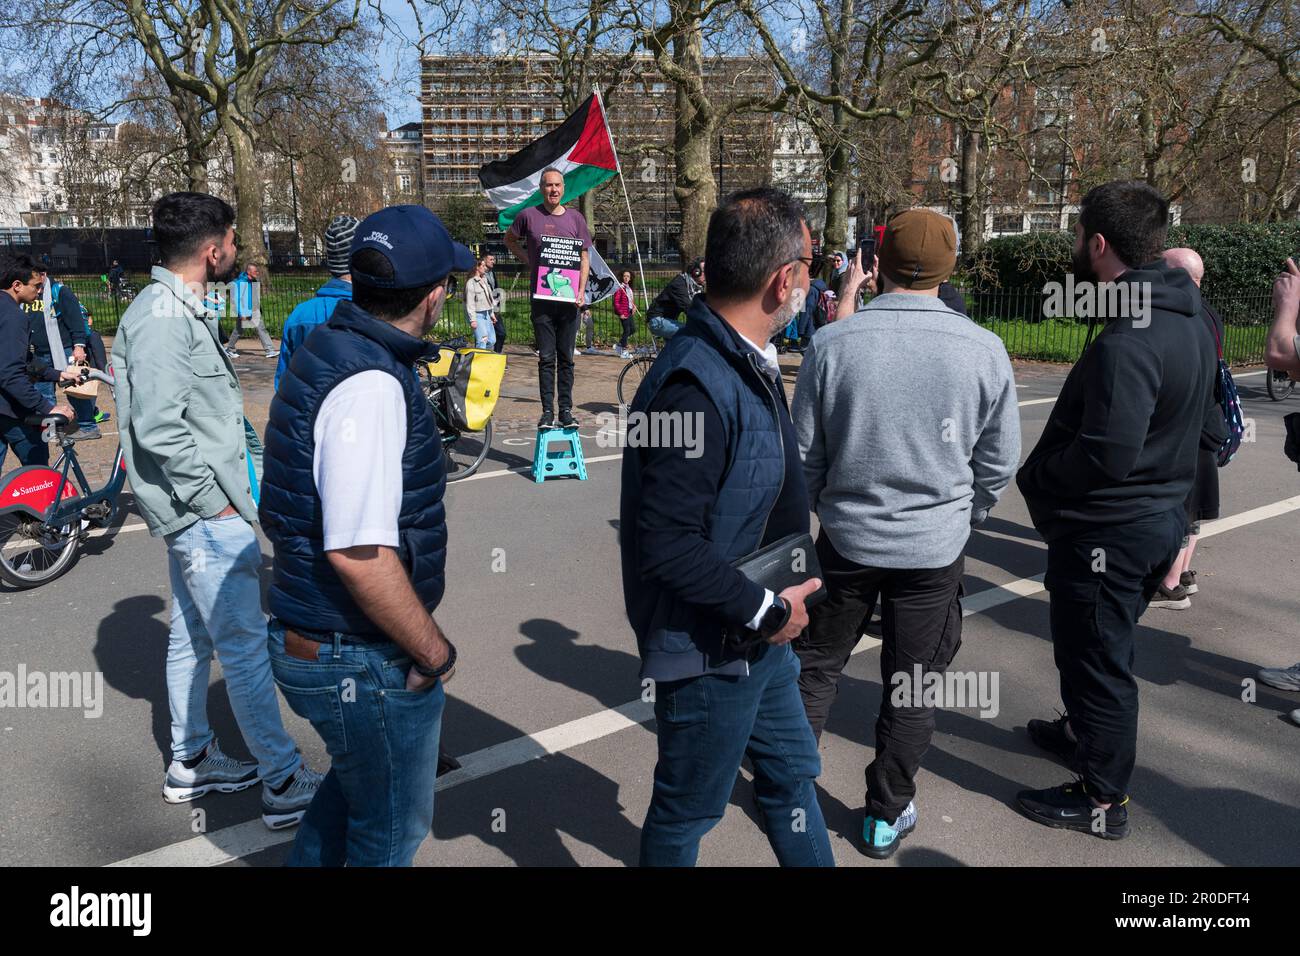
x=554 y=323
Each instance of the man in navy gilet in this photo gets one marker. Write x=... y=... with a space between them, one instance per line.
x=352 y=503
x=715 y=646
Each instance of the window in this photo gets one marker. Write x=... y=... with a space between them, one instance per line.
x=1009 y=223
x=404 y=183
x=1044 y=222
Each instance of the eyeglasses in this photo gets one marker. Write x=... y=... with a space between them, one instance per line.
x=805 y=259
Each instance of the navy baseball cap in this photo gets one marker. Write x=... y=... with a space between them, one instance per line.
x=416 y=244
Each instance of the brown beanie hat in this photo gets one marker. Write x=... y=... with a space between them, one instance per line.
x=919 y=249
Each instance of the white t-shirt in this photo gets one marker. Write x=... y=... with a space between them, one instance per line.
x=360 y=435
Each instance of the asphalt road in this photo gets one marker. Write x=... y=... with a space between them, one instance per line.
x=559 y=750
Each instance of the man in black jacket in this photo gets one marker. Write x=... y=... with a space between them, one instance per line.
x=20 y=285
x=1105 y=488
x=715 y=645
x=674 y=299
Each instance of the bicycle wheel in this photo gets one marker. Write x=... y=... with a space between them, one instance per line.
x=1279 y=385
x=29 y=556
x=629 y=380
x=464 y=453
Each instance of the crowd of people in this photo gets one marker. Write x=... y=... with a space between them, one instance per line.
x=897 y=473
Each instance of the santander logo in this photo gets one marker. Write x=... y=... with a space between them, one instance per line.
x=31 y=489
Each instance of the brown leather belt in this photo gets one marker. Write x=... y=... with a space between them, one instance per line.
x=303 y=648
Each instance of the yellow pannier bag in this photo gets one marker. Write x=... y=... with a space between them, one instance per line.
x=476 y=376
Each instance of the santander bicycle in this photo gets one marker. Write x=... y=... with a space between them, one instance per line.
x=47 y=511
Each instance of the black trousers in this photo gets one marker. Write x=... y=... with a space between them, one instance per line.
x=500 y=327
x=921 y=614
x=1101 y=581
x=628 y=329
x=556 y=327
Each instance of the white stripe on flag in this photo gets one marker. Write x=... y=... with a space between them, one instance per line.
x=503 y=197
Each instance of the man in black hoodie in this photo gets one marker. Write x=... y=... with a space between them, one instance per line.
x=1105 y=488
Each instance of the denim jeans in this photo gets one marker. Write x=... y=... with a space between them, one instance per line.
x=664 y=328
x=25 y=440
x=83 y=407
x=375 y=805
x=485 y=334
x=706 y=725
x=217 y=606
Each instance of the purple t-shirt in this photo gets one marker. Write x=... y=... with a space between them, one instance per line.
x=534 y=222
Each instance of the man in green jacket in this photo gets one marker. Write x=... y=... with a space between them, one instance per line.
x=181 y=416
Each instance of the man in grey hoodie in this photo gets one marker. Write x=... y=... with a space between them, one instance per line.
x=898 y=471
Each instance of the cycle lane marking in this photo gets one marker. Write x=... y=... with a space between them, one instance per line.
x=244 y=839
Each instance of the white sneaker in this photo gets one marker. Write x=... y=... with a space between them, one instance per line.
x=215 y=771
x=273 y=353
x=1283 y=678
x=285 y=809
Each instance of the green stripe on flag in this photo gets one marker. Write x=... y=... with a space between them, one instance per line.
x=576 y=182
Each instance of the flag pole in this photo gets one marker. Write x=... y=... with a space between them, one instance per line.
x=618 y=165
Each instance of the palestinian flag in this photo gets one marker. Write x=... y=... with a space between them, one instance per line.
x=580 y=148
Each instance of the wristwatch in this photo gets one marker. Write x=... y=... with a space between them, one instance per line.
x=447 y=665
x=774 y=618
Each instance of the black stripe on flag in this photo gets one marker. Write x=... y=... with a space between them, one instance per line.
x=538 y=154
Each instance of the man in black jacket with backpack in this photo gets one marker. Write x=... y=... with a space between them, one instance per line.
x=1106 y=486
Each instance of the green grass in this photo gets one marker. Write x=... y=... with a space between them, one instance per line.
x=1013 y=315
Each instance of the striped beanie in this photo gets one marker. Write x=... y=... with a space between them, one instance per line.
x=338 y=243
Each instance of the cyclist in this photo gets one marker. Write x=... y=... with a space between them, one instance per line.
x=20 y=284
x=674 y=299
x=69 y=323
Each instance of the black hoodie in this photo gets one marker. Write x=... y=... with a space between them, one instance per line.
x=1122 y=438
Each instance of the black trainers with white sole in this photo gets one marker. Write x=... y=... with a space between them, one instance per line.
x=211 y=770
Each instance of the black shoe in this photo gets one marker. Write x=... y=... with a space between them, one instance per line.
x=1068 y=807
x=546 y=421
x=1050 y=735
x=567 y=420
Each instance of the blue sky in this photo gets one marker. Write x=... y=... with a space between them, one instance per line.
x=397 y=65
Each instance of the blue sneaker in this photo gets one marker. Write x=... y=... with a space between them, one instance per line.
x=880 y=840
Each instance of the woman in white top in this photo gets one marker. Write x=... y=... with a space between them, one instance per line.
x=478 y=306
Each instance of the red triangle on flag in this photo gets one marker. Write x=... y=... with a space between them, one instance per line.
x=594 y=147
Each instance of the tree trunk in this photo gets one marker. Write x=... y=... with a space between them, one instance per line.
x=836 y=233
x=248 y=192
x=972 y=200
x=694 y=187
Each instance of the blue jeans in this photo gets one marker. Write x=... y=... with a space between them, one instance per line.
x=664 y=328
x=375 y=806
x=485 y=333
x=25 y=440
x=706 y=725
x=217 y=606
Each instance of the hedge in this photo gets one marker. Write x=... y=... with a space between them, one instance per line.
x=1241 y=260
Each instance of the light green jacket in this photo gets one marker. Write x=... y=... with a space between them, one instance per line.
x=180 y=409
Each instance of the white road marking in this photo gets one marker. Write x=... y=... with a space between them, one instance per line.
x=1035 y=401
x=244 y=839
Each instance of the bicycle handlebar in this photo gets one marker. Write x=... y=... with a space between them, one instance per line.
x=98 y=376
